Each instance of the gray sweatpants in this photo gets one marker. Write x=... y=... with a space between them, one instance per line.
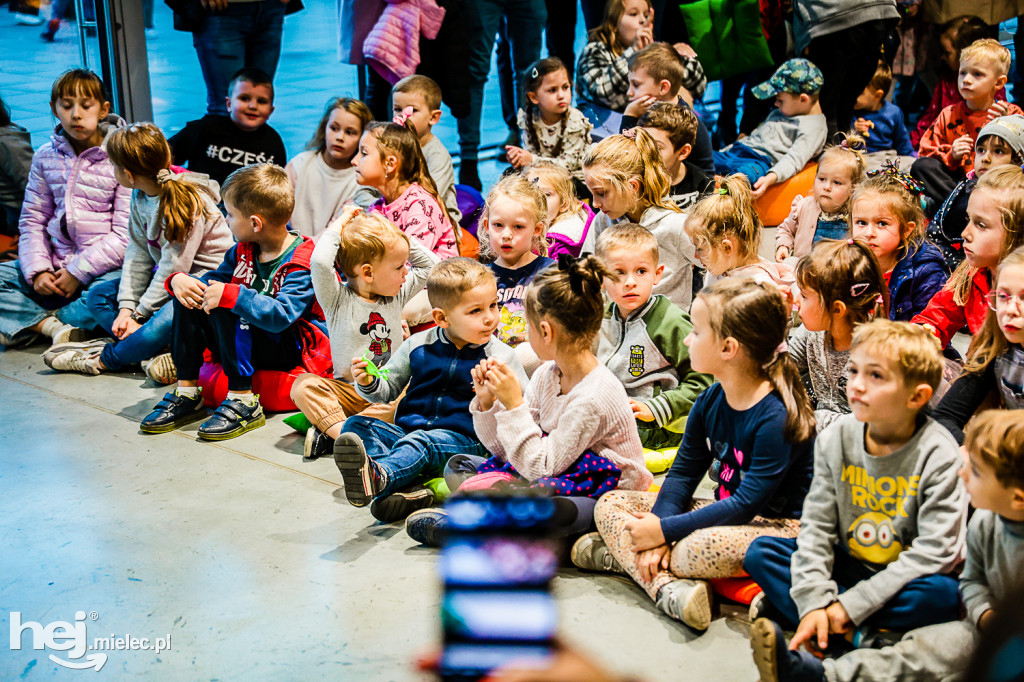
x=937 y=652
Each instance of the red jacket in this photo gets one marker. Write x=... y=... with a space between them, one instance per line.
x=948 y=318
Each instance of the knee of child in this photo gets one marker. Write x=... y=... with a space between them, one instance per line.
x=754 y=558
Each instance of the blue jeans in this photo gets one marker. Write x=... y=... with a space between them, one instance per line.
x=742 y=159
x=245 y=34
x=927 y=600
x=524 y=25
x=148 y=340
x=405 y=457
x=21 y=307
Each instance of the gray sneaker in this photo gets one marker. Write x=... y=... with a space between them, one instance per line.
x=160 y=369
x=87 y=347
x=688 y=601
x=591 y=554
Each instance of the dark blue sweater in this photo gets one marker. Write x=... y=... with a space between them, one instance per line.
x=759 y=473
x=889 y=131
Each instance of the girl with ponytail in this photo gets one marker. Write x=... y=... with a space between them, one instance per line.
x=573 y=433
x=174 y=226
x=390 y=160
x=752 y=432
x=629 y=183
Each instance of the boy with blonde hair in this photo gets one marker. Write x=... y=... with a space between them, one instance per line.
x=364 y=313
x=256 y=311
x=947 y=147
x=883 y=524
x=993 y=473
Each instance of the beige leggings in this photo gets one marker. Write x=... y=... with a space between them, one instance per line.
x=704 y=554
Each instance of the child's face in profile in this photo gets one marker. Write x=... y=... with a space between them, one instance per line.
x=388 y=273
x=607 y=198
x=635 y=15
x=241 y=225
x=250 y=105
x=423 y=117
x=812 y=310
x=792 y=104
x=832 y=186
x=875 y=388
x=670 y=156
x=341 y=138
x=991 y=152
x=80 y=115
x=983 y=236
x=875 y=223
x=978 y=80
x=554 y=201
x=475 y=317
x=984 y=488
x=642 y=85
x=702 y=342
x=950 y=55
x=369 y=167
x=869 y=100
x=638 y=272
x=1010 y=311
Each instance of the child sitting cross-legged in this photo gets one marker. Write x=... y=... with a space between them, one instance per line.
x=993 y=474
x=751 y=432
x=256 y=311
x=378 y=460
x=642 y=338
x=364 y=313
x=883 y=525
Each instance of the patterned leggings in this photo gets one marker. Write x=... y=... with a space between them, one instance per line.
x=704 y=554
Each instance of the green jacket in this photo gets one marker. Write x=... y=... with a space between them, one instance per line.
x=646 y=352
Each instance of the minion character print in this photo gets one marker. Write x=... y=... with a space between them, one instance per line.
x=872 y=538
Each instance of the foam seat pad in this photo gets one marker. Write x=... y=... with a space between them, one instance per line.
x=272 y=386
x=776 y=204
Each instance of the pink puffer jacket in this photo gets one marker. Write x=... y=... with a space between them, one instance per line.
x=393 y=45
x=83 y=190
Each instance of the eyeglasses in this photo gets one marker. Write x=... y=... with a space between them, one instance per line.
x=999 y=300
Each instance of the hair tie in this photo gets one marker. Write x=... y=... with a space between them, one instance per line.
x=629 y=133
x=845 y=144
x=859 y=288
x=722 y=189
x=567 y=264
x=163 y=175
x=891 y=170
x=535 y=73
x=402 y=116
x=850 y=242
x=782 y=348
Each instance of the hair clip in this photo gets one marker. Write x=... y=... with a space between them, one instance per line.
x=859 y=288
x=891 y=170
x=535 y=73
x=723 y=190
x=879 y=300
x=845 y=144
x=629 y=133
x=850 y=242
x=403 y=116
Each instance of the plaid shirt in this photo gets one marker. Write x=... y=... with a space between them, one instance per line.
x=603 y=78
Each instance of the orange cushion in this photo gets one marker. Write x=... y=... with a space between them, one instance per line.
x=469 y=245
x=777 y=202
x=272 y=386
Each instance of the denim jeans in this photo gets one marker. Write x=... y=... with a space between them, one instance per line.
x=21 y=307
x=245 y=34
x=405 y=457
x=927 y=600
x=524 y=21
x=148 y=340
x=740 y=158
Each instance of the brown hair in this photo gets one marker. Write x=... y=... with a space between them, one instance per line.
x=453 y=277
x=533 y=78
x=142 y=150
x=618 y=158
x=678 y=121
x=628 y=236
x=77 y=83
x=261 y=189
x=608 y=31
x=997 y=438
x=990 y=342
x=561 y=182
x=912 y=349
x=845 y=271
x=253 y=76
x=365 y=239
x=727 y=212
x=353 y=106
x=901 y=202
x=848 y=151
x=882 y=80
x=570 y=295
x=1010 y=181
x=662 y=63
x=756 y=315
x=530 y=198
x=421 y=85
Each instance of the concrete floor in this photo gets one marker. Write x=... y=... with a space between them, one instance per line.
x=247 y=556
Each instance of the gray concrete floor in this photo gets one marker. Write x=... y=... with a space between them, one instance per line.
x=247 y=556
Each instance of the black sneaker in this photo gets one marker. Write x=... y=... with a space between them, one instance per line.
x=399 y=505
x=317 y=444
x=232 y=418
x=427 y=526
x=172 y=412
x=775 y=661
x=362 y=477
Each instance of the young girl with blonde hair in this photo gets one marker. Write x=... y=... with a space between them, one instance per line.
x=569 y=219
x=629 y=183
x=175 y=226
x=752 y=432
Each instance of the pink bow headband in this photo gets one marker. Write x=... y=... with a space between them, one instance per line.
x=402 y=116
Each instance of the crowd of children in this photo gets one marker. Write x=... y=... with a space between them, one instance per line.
x=616 y=318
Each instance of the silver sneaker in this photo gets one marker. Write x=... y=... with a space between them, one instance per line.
x=61 y=348
x=160 y=369
x=688 y=601
x=591 y=554
x=81 y=361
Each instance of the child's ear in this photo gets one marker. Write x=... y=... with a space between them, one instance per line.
x=880 y=94
x=730 y=348
x=664 y=87
x=658 y=272
x=1017 y=501
x=390 y=163
x=684 y=151
x=257 y=222
x=104 y=110
x=838 y=309
x=532 y=96
x=910 y=227
x=435 y=116
x=726 y=245
x=227 y=104
x=805 y=98
x=920 y=397
x=440 y=319
x=1000 y=82
x=365 y=271
x=547 y=332
x=634 y=184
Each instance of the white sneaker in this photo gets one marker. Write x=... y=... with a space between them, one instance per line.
x=757 y=606
x=688 y=601
x=83 y=361
x=60 y=348
x=69 y=334
x=28 y=19
x=161 y=369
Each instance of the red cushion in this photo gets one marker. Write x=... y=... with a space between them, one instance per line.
x=272 y=386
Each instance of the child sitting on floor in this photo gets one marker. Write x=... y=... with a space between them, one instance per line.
x=880 y=122
x=674 y=129
x=642 y=338
x=883 y=525
x=568 y=218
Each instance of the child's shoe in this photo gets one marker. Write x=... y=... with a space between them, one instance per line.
x=775 y=661
x=688 y=601
x=160 y=369
x=81 y=360
x=233 y=418
x=867 y=637
x=396 y=506
x=66 y=351
x=173 y=411
x=362 y=476
x=68 y=334
x=591 y=554
x=317 y=444
x=427 y=526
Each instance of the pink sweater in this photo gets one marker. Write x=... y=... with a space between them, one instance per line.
x=797 y=230
x=418 y=214
x=393 y=45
